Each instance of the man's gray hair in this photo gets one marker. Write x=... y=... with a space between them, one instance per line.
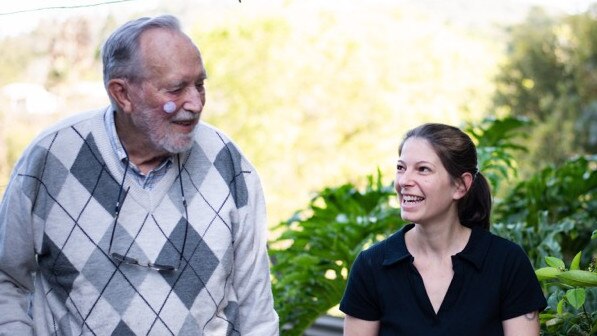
x=121 y=49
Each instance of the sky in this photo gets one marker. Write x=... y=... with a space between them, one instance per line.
x=20 y=16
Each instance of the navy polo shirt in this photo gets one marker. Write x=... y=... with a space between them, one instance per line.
x=493 y=281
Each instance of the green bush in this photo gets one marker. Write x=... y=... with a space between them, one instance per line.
x=562 y=194
x=312 y=256
x=572 y=306
x=497 y=142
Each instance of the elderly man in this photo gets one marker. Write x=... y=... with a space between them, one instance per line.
x=137 y=219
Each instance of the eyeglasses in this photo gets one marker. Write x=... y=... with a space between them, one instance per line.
x=124 y=259
x=132 y=261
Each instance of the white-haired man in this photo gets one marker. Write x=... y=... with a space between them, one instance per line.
x=137 y=219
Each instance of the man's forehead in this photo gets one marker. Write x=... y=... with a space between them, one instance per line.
x=163 y=39
x=165 y=51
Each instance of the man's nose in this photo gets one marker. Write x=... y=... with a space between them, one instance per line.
x=194 y=100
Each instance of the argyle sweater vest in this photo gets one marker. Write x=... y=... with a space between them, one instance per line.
x=71 y=181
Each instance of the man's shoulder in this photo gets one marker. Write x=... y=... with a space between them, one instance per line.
x=217 y=146
x=35 y=157
x=207 y=131
x=210 y=137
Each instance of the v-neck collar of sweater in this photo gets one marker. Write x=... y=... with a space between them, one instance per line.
x=149 y=199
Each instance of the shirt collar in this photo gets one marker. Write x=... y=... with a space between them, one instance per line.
x=395 y=247
x=474 y=252
x=477 y=247
x=110 y=124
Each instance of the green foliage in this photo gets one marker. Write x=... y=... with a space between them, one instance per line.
x=543 y=240
x=319 y=244
x=572 y=308
x=563 y=191
x=496 y=141
x=556 y=194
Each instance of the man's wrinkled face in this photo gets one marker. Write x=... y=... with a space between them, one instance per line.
x=172 y=80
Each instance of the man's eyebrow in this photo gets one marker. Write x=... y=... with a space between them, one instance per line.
x=179 y=83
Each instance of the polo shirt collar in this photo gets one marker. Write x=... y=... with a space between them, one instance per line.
x=477 y=247
x=395 y=247
x=474 y=252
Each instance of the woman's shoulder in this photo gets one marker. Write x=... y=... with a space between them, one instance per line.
x=503 y=244
x=504 y=249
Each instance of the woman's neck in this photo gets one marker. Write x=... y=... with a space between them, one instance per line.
x=437 y=241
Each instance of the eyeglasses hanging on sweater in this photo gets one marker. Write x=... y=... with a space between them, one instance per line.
x=120 y=258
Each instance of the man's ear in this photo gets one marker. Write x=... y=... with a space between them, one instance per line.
x=463 y=184
x=119 y=91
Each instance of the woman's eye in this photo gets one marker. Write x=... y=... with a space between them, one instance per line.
x=400 y=167
x=424 y=169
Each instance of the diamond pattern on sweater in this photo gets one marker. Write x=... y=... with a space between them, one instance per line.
x=198 y=265
x=140 y=315
x=53 y=180
x=89 y=170
x=173 y=310
x=160 y=329
x=170 y=253
x=198 y=163
x=232 y=311
x=122 y=329
x=77 y=196
x=57 y=269
x=190 y=327
x=100 y=320
x=228 y=163
x=111 y=283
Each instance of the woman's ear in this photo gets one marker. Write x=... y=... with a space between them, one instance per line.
x=118 y=89
x=463 y=184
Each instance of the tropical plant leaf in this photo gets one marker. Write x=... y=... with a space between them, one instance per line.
x=576 y=297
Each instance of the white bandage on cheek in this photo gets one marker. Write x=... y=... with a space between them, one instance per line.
x=169 y=107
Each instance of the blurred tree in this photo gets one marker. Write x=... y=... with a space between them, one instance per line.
x=550 y=76
x=316 y=95
x=319 y=96
x=69 y=51
x=17 y=54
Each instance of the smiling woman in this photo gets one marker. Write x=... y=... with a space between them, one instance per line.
x=445 y=273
